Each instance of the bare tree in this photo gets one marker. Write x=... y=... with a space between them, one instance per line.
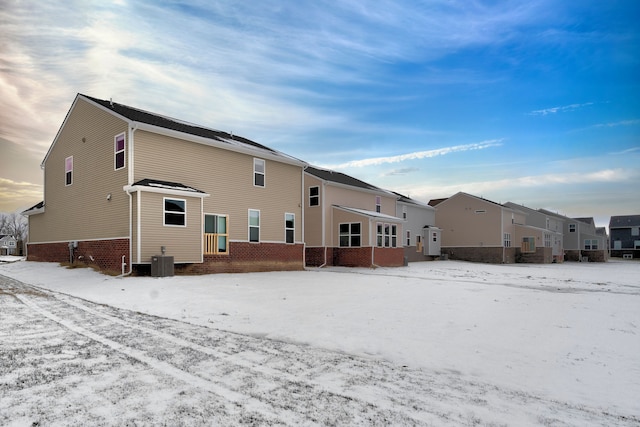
x=14 y=225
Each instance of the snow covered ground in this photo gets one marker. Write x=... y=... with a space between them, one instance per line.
x=433 y=343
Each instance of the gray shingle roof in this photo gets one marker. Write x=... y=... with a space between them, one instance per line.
x=624 y=221
x=341 y=178
x=142 y=116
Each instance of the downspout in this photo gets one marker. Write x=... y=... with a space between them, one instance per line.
x=373 y=248
x=130 y=174
x=323 y=207
x=302 y=200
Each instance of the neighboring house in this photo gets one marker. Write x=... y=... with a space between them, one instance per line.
x=581 y=239
x=477 y=229
x=550 y=227
x=8 y=245
x=625 y=236
x=421 y=237
x=122 y=185
x=348 y=222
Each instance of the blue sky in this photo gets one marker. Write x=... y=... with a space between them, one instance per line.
x=534 y=102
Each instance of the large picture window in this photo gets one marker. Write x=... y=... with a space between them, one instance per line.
x=289 y=228
x=258 y=172
x=350 y=234
x=216 y=234
x=175 y=212
x=591 y=244
x=68 y=171
x=119 y=151
x=254 y=225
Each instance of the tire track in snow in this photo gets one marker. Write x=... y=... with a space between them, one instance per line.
x=248 y=402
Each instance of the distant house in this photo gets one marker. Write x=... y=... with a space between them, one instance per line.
x=625 y=236
x=123 y=185
x=348 y=222
x=421 y=237
x=581 y=239
x=480 y=230
x=549 y=227
x=8 y=245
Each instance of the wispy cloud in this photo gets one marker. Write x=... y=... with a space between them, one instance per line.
x=616 y=124
x=562 y=109
x=18 y=195
x=376 y=161
x=403 y=171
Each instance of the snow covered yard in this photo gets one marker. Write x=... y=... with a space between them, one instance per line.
x=432 y=343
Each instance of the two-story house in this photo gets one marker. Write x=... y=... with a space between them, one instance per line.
x=349 y=222
x=8 y=245
x=581 y=239
x=123 y=185
x=625 y=236
x=480 y=230
x=547 y=230
x=421 y=239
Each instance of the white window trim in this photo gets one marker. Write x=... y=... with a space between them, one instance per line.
x=350 y=235
x=315 y=197
x=249 y=226
x=164 y=212
x=116 y=151
x=286 y=229
x=67 y=171
x=255 y=172
x=216 y=252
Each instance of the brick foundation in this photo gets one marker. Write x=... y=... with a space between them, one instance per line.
x=541 y=256
x=487 y=255
x=249 y=257
x=355 y=257
x=106 y=255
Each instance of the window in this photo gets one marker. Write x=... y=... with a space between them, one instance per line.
x=635 y=231
x=258 y=172
x=404 y=212
x=289 y=227
x=507 y=240
x=394 y=236
x=314 y=196
x=350 y=234
x=572 y=228
x=547 y=240
x=254 y=225
x=118 y=149
x=408 y=238
x=68 y=171
x=591 y=244
x=216 y=234
x=636 y=244
x=418 y=243
x=378 y=204
x=175 y=212
x=387 y=235
x=379 y=234
x=528 y=244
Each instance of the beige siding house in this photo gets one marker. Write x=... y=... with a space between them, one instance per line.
x=122 y=185
x=349 y=222
x=477 y=229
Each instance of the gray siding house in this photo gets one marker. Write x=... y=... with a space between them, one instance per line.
x=625 y=236
x=421 y=238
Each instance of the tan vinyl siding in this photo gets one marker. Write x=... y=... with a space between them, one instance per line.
x=464 y=223
x=313 y=214
x=81 y=211
x=228 y=177
x=341 y=217
x=183 y=243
